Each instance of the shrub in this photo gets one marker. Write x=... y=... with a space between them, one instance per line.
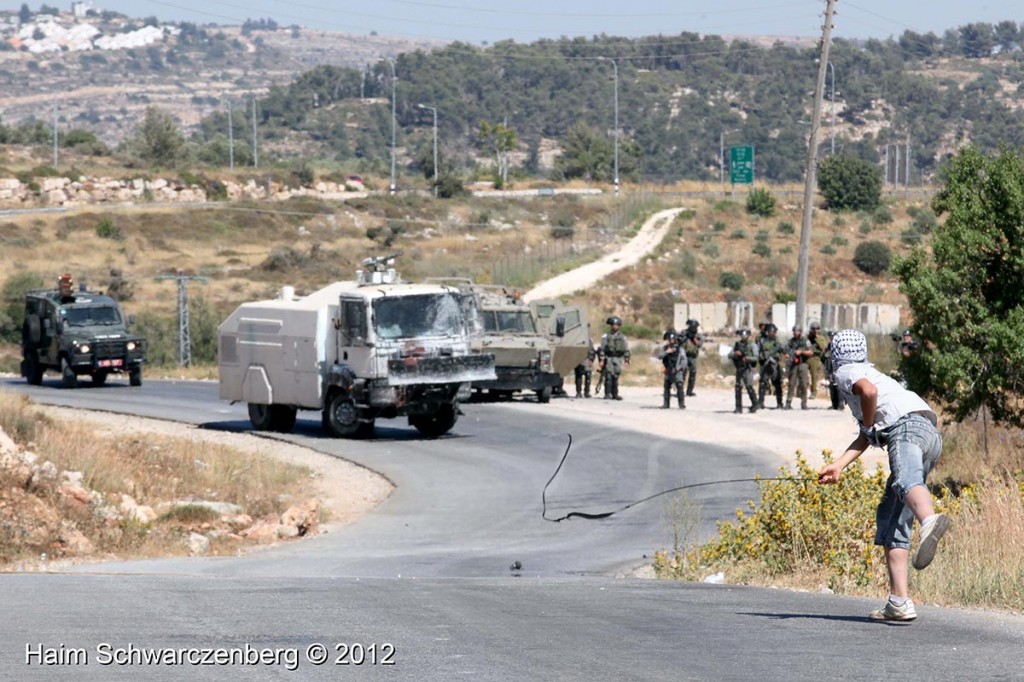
x=710 y=250
x=738 y=233
x=786 y=227
x=731 y=280
x=839 y=240
x=798 y=525
x=762 y=249
x=881 y=215
x=872 y=257
x=106 y=229
x=762 y=236
x=910 y=236
x=925 y=222
x=719 y=226
x=828 y=250
x=563 y=231
x=865 y=227
x=761 y=202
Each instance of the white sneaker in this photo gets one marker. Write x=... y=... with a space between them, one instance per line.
x=931 y=533
x=892 y=612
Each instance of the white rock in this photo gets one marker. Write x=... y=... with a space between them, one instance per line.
x=198 y=545
x=716 y=579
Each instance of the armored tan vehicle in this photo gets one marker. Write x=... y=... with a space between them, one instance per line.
x=502 y=324
x=568 y=330
x=81 y=333
x=370 y=348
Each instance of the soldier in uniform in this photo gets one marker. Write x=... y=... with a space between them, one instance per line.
x=770 y=354
x=744 y=357
x=585 y=371
x=691 y=343
x=614 y=353
x=814 y=363
x=826 y=365
x=674 y=360
x=797 y=373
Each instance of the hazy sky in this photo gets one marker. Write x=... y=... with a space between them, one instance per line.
x=475 y=21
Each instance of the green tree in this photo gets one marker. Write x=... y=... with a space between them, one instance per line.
x=24 y=14
x=157 y=139
x=12 y=299
x=847 y=183
x=495 y=137
x=965 y=293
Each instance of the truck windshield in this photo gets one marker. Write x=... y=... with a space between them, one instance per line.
x=82 y=316
x=508 y=321
x=412 y=316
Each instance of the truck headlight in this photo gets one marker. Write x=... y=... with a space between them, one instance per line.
x=84 y=348
x=545 y=360
x=130 y=345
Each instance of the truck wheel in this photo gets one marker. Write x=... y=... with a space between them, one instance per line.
x=341 y=416
x=135 y=376
x=437 y=424
x=99 y=378
x=261 y=416
x=68 y=377
x=33 y=370
x=544 y=395
x=282 y=418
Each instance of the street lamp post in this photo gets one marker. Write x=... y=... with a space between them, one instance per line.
x=394 y=79
x=615 y=68
x=434 y=110
x=721 y=154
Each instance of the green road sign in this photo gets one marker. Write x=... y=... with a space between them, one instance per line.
x=741 y=165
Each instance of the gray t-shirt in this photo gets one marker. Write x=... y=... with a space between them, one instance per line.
x=894 y=401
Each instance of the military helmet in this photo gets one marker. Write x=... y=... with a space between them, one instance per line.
x=815 y=326
x=614 y=320
x=744 y=333
x=669 y=334
x=798 y=328
x=906 y=332
x=692 y=324
x=771 y=328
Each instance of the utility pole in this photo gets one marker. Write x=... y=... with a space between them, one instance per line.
x=55 y=134
x=255 y=148
x=394 y=79
x=812 y=157
x=184 y=334
x=906 y=163
x=896 y=171
x=886 y=165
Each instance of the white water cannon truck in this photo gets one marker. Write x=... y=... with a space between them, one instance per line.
x=374 y=347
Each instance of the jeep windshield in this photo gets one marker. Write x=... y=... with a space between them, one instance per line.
x=409 y=317
x=90 y=315
x=518 y=321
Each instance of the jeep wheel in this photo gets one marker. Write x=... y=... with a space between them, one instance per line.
x=341 y=416
x=68 y=377
x=33 y=331
x=99 y=377
x=437 y=424
x=544 y=395
x=33 y=370
x=135 y=376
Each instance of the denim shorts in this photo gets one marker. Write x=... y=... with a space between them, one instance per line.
x=914 y=445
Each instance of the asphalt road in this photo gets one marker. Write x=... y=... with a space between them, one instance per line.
x=428 y=573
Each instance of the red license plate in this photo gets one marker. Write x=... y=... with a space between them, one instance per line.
x=110 y=363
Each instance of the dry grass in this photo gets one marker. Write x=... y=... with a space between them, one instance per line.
x=150 y=469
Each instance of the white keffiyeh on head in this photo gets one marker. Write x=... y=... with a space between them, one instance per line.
x=848 y=346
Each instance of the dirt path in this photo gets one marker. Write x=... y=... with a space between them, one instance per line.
x=647 y=239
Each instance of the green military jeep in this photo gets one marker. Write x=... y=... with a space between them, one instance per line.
x=78 y=333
